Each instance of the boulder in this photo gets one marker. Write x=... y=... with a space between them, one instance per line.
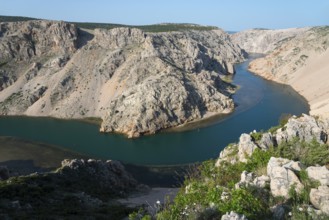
x=246 y=147
x=320 y=174
x=320 y=198
x=233 y=216
x=281 y=173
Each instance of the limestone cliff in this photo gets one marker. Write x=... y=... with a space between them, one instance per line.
x=264 y=40
x=300 y=60
x=136 y=82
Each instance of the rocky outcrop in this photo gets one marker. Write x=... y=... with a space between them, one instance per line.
x=83 y=188
x=110 y=176
x=320 y=198
x=246 y=147
x=299 y=60
x=136 y=82
x=281 y=172
x=318 y=173
x=305 y=128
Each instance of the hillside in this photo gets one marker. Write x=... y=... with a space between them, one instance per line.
x=165 y=27
x=297 y=57
x=136 y=82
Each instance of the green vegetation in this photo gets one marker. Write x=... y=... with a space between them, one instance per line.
x=15 y=18
x=209 y=191
x=307 y=153
x=167 y=27
x=45 y=194
x=148 y=28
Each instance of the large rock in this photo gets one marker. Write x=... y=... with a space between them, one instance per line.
x=246 y=147
x=137 y=82
x=281 y=172
x=305 y=128
x=266 y=141
x=320 y=174
x=320 y=198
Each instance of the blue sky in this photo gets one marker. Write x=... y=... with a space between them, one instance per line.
x=229 y=15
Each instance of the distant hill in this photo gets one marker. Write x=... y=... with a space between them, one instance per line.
x=166 y=27
x=15 y=18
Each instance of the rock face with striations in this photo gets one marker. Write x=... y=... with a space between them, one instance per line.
x=136 y=82
x=297 y=57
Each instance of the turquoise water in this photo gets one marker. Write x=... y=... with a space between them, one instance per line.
x=260 y=104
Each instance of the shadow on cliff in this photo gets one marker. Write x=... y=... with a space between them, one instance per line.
x=23 y=167
x=159 y=176
x=84 y=37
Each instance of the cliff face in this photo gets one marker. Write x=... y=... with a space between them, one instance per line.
x=136 y=82
x=299 y=60
x=264 y=40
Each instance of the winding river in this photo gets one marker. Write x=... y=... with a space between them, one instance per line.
x=260 y=104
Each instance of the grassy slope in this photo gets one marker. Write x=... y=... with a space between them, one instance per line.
x=147 y=28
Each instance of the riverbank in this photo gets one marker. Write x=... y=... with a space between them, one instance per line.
x=311 y=82
x=256 y=98
x=300 y=61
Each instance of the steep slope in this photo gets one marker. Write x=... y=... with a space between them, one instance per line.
x=264 y=40
x=300 y=61
x=136 y=82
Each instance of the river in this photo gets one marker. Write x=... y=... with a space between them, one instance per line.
x=260 y=103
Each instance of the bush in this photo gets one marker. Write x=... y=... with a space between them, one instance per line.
x=308 y=153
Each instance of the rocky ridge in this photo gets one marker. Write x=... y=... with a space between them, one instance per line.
x=283 y=174
x=136 y=82
x=80 y=188
x=297 y=57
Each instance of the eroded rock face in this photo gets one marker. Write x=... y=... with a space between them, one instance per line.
x=297 y=57
x=25 y=40
x=281 y=173
x=264 y=40
x=136 y=82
